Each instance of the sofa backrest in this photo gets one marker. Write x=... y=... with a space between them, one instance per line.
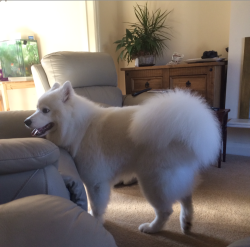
x=83 y=69
x=105 y=95
x=92 y=75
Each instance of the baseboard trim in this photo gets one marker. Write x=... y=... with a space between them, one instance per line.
x=238 y=149
x=238 y=123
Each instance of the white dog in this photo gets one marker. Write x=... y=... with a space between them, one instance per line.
x=164 y=142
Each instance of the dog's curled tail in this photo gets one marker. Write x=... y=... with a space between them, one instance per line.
x=178 y=116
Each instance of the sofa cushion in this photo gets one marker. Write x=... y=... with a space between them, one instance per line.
x=129 y=100
x=72 y=180
x=34 y=182
x=82 y=69
x=12 y=126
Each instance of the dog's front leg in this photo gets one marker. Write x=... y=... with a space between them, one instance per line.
x=98 y=195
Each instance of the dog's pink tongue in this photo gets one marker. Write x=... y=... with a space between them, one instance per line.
x=35 y=132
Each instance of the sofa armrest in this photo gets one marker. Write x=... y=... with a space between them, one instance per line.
x=29 y=166
x=40 y=79
x=12 y=124
x=25 y=154
x=129 y=100
x=72 y=180
x=44 y=220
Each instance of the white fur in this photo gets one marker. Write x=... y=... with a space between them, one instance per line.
x=164 y=142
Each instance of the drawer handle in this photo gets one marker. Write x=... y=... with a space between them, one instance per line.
x=147 y=85
x=188 y=84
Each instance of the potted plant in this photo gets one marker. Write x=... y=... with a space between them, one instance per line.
x=145 y=39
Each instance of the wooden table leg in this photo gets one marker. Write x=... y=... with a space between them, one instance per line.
x=224 y=145
x=6 y=106
x=222 y=115
x=1 y=102
x=219 y=160
x=225 y=138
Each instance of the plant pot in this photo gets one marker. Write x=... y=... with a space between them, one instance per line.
x=148 y=60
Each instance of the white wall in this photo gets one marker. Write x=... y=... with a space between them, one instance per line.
x=238 y=139
x=57 y=25
x=239 y=29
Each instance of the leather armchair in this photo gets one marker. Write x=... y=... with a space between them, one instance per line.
x=92 y=75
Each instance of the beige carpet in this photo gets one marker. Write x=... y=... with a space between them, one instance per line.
x=221 y=211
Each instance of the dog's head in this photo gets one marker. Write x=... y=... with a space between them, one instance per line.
x=50 y=108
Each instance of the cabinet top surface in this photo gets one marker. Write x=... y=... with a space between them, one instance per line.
x=181 y=65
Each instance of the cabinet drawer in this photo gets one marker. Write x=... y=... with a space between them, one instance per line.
x=194 y=83
x=142 y=83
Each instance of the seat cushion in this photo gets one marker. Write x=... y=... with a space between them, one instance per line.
x=46 y=180
x=129 y=100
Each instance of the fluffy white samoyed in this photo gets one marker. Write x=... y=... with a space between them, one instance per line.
x=163 y=142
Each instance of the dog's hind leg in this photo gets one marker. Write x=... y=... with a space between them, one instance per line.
x=157 y=224
x=156 y=195
x=186 y=214
x=98 y=195
x=163 y=188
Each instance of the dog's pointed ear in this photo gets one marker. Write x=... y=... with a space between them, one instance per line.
x=67 y=91
x=55 y=86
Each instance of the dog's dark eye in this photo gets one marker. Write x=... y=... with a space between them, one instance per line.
x=45 y=110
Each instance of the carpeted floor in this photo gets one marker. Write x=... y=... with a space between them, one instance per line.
x=221 y=211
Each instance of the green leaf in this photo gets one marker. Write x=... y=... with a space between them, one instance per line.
x=119 y=47
x=129 y=34
x=117 y=42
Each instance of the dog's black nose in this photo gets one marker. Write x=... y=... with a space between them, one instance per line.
x=28 y=122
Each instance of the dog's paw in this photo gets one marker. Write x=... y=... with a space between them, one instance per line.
x=146 y=228
x=186 y=227
x=99 y=218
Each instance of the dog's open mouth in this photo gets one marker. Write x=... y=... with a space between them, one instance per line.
x=42 y=131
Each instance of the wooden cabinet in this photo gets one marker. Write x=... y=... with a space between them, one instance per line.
x=142 y=83
x=207 y=79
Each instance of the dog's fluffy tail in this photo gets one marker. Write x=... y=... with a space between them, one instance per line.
x=182 y=117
